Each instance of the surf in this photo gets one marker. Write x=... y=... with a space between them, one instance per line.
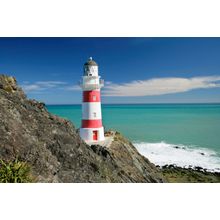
x=163 y=153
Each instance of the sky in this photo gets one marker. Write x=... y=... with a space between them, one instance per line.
x=135 y=70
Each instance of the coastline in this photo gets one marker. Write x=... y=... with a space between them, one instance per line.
x=166 y=154
x=175 y=174
x=53 y=151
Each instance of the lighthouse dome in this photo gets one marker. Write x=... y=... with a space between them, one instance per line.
x=90 y=62
x=90 y=68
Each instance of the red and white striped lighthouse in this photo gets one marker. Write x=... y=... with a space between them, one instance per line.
x=91 y=129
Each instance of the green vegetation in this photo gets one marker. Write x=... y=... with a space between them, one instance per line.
x=175 y=174
x=15 y=172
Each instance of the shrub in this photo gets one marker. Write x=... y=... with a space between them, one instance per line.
x=15 y=172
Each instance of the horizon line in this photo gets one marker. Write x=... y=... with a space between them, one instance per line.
x=159 y=103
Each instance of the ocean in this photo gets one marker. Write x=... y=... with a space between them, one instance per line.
x=186 y=135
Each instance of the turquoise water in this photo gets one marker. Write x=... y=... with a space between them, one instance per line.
x=192 y=125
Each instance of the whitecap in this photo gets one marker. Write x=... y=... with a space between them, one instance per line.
x=163 y=153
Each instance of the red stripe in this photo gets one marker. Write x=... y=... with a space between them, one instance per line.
x=91 y=96
x=92 y=123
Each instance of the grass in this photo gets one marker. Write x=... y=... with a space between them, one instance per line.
x=184 y=175
x=15 y=172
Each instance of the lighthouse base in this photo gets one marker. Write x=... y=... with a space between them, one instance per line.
x=92 y=134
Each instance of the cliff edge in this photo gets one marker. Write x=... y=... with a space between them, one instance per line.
x=55 y=152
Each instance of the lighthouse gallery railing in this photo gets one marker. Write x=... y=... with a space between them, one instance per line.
x=88 y=83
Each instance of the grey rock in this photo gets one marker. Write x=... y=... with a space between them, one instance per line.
x=54 y=149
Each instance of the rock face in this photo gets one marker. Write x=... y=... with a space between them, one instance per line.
x=53 y=148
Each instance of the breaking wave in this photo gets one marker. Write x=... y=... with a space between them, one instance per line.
x=183 y=156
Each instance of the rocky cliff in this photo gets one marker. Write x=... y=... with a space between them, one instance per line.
x=54 y=150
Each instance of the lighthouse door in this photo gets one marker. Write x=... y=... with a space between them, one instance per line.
x=95 y=135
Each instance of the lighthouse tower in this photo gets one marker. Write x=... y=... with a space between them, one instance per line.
x=91 y=129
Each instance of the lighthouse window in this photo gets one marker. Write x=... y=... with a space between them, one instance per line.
x=94 y=114
x=94 y=98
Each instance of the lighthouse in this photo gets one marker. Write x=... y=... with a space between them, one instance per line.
x=91 y=128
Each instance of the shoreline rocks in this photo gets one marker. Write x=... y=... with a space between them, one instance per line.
x=175 y=174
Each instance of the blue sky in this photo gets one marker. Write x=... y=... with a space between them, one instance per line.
x=136 y=70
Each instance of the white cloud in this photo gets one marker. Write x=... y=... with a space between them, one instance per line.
x=161 y=86
x=108 y=82
x=31 y=87
x=50 y=83
x=41 y=85
x=73 y=88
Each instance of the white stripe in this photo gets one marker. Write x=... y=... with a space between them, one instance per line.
x=91 y=110
x=87 y=134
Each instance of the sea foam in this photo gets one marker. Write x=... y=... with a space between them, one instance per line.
x=183 y=156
